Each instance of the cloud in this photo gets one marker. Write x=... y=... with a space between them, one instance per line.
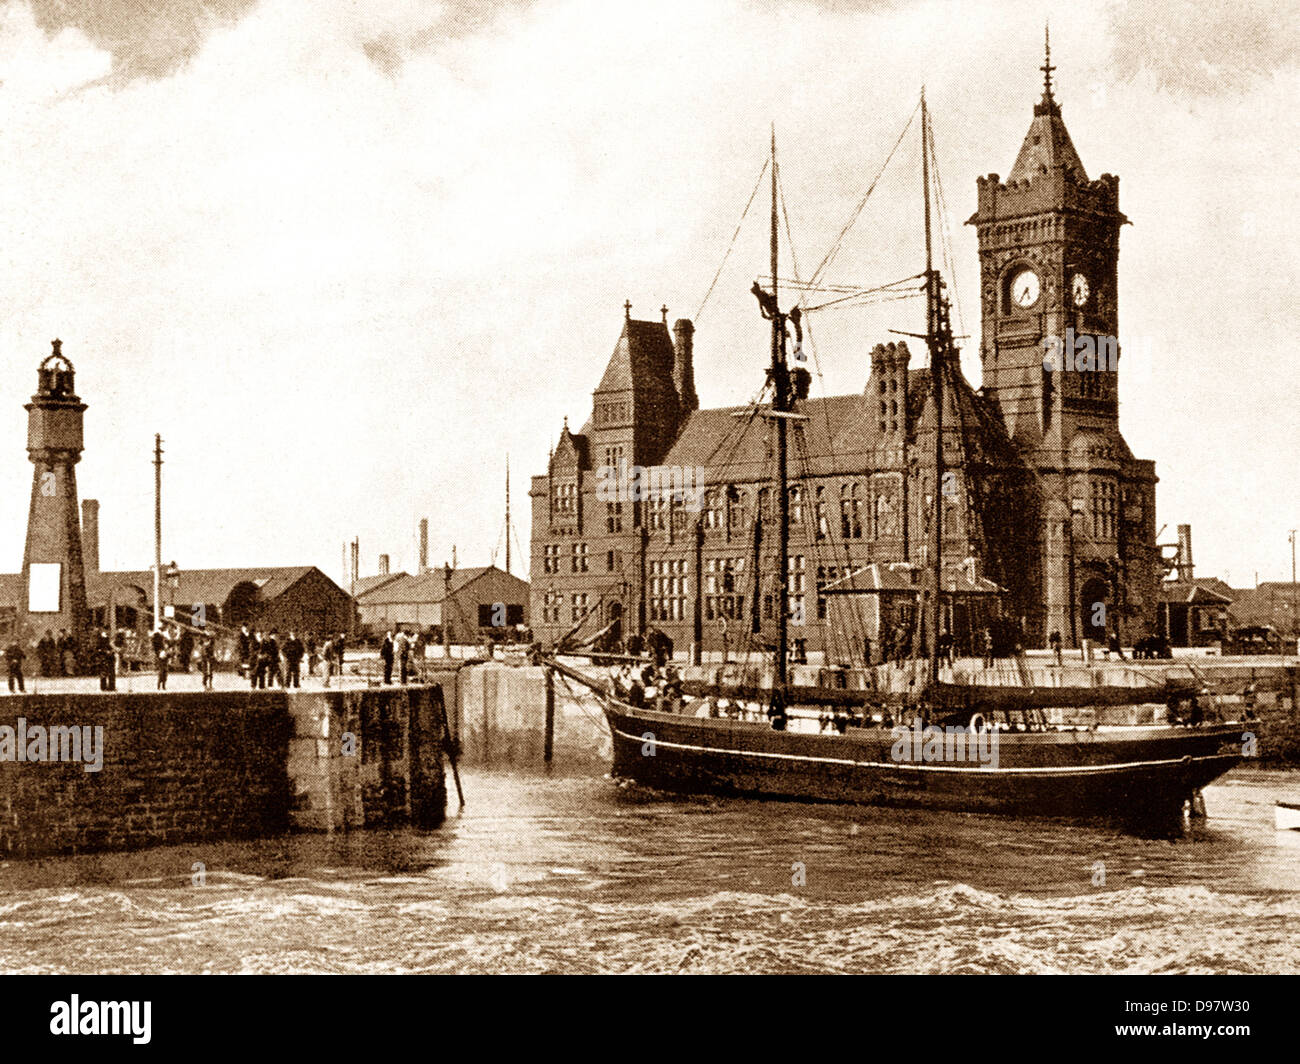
x=145 y=39
x=1204 y=48
x=37 y=63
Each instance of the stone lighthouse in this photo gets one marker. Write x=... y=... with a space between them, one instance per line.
x=54 y=577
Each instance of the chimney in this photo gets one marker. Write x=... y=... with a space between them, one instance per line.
x=90 y=534
x=1185 y=552
x=684 y=365
x=383 y=565
x=424 y=544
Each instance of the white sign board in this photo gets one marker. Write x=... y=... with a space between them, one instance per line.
x=43 y=587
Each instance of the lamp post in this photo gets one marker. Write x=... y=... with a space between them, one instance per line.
x=173 y=584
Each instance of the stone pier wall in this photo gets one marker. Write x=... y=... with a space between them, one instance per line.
x=502 y=719
x=192 y=766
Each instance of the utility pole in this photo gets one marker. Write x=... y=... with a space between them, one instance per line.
x=444 y=617
x=157 y=530
x=1293 y=597
x=352 y=588
x=507 y=515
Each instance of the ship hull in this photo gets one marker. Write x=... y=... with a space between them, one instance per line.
x=1132 y=774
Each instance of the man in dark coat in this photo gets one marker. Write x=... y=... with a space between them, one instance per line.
x=245 y=649
x=186 y=650
x=46 y=654
x=293 y=651
x=14 y=659
x=163 y=654
x=107 y=662
x=208 y=660
x=63 y=649
x=257 y=670
x=386 y=656
x=273 y=673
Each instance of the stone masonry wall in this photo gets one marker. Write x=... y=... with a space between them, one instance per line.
x=191 y=766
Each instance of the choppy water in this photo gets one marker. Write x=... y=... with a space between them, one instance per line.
x=579 y=875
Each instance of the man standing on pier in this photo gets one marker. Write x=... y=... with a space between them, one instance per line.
x=386 y=656
x=208 y=660
x=106 y=661
x=258 y=660
x=273 y=673
x=245 y=649
x=293 y=651
x=14 y=659
x=162 y=651
x=402 y=648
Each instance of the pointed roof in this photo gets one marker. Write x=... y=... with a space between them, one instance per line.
x=644 y=349
x=1047 y=144
x=1199 y=592
x=429 y=586
x=211 y=586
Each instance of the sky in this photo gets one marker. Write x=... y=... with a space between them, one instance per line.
x=346 y=257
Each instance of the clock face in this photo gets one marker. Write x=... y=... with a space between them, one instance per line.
x=1079 y=289
x=1024 y=288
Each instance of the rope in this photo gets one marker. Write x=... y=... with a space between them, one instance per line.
x=734 y=237
x=839 y=240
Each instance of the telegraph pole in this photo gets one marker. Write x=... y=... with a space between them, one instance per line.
x=1293 y=596
x=157 y=530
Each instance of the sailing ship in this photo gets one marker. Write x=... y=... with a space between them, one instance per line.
x=972 y=748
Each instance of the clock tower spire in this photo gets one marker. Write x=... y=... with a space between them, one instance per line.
x=1049 y=269
x=1047 y=69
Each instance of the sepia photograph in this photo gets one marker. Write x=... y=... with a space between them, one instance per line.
x=573 y=488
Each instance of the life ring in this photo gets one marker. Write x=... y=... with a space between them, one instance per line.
x=977 y=723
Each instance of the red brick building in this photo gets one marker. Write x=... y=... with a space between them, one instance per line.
x=1042 y=495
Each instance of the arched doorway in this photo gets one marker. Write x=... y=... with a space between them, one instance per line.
x=1094 y=610
x=241 y=605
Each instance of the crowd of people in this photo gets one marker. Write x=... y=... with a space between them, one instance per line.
x=179 y=649
x=652 y=686
x=266 y=660
x=403 y=651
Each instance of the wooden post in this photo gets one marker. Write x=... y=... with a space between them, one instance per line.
x=643 y=543
x=548 y=739
x=446 y=609
x=697 y=629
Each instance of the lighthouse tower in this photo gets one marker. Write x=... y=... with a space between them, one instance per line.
x=54 y=577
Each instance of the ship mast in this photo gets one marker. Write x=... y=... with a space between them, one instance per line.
x=781 y=404
x=938 y=338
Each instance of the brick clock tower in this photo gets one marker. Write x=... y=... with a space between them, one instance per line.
x=1049 y=254
x=54 y=578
